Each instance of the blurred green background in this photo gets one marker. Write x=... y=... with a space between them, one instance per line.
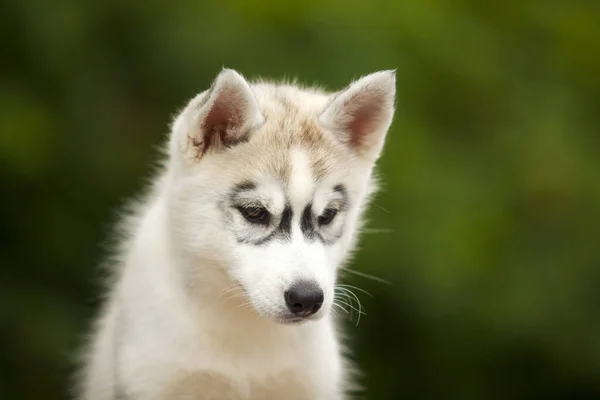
x=488 y=226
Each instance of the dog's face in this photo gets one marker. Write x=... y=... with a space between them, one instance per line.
x=269 y=182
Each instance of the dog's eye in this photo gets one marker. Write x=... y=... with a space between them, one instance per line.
x=254 y=214
x=327 y=216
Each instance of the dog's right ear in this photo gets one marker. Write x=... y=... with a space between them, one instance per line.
x=218 y=118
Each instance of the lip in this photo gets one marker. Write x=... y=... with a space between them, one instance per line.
x=288 y=319
x=291 y=320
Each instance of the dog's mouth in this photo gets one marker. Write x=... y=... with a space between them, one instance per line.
x=290 y=319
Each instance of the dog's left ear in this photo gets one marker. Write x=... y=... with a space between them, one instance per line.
x=218 y=118
x=361 y=114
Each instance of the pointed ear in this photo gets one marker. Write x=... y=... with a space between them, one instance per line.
x=219 y=117
x=361 y=114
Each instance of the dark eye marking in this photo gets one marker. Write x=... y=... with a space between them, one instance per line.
x=255 y=214
x=264 y=240
x=283 y=230
x=238 y=191
x=306 y=222
x=341 y=189
x=309 y=222
x=285 y=226
x=245 y=186
x=327 y=216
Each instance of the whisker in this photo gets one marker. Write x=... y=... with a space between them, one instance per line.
x=340 y=306
x=348 y=303
x=353 y=308
x=350 y=292
x=384 y=209
x=341 y=292
x=228 y=290
x=368 y=276
x=357 y=288
x=347 y=293
x=236 y=296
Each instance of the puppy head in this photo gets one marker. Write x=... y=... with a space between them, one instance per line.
x=269 y=181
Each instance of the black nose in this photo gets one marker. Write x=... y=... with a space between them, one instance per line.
x=304 y=298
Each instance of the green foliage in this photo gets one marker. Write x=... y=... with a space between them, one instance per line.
x=488 y=225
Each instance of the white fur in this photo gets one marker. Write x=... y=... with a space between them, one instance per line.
x=192 y=312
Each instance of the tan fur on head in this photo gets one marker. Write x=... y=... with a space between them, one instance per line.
x=284 y=115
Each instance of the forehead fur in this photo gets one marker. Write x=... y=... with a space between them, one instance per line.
x=291 y=123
